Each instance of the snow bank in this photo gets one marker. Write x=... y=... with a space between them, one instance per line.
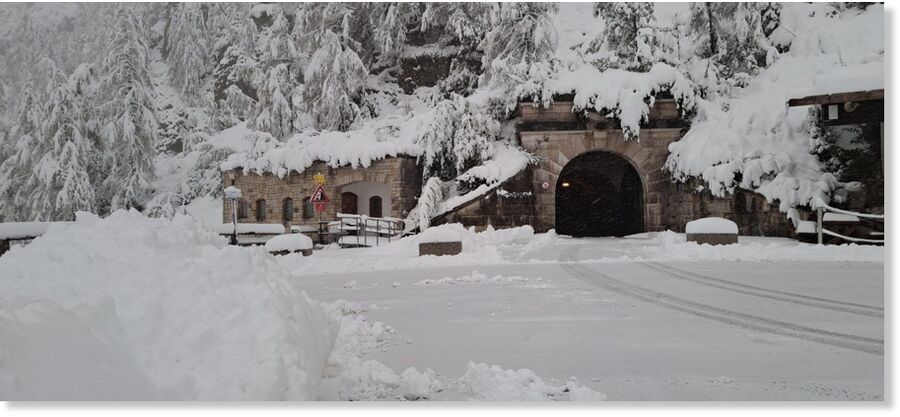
x=479 y=248
x=19 y=230
x=135 y=308
x=250 y=228
x=711 y=225
x=671 y=246
x=494 y=383
x=440 y=234
x=292 y=242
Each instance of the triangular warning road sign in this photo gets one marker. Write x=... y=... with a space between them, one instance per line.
x=319 y=196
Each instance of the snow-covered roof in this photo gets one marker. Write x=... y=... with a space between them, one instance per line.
x=853 y=78
x=376 y=139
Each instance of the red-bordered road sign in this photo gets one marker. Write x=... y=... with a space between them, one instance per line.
x=319 y=196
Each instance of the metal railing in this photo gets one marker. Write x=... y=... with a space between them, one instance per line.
x=821 y=230
x=358 y=230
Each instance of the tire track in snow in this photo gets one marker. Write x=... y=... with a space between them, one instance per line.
x=734 y=318
x=789 y=297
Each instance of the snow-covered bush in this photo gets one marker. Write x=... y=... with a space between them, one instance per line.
x=460 y=136
x=129 y=308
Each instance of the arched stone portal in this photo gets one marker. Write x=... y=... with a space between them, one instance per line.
x=599 y=194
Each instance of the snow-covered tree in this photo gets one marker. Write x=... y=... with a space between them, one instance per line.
x=460 y=137
x=277 y=75
x=731 y=35
x=335 y=74
x=463 y=23
x=429 y=203
x=188 y=51
x=522 y=37
x=15 y=170
x=129 y=128
x=628 y=34
x=60 y=183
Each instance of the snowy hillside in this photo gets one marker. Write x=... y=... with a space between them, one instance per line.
x=106 y=106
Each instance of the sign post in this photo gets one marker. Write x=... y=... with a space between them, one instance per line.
x=320 y=200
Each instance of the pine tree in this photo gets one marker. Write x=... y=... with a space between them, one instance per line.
x=188 y=51
x=276 y=77
x=628 y=33
x=463 y=23
x=16 y=169
x=335 y=73
x=523 y=36
x=129 y=129
x=60 y=183
x=731 y=35
x=460 y=137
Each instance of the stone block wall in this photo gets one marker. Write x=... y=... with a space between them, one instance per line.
x=401 y=174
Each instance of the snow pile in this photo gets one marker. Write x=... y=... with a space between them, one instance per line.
x=671 y=246
x=440 y=234
x=494 y=383
x=291 y=243
x=348 y=377
x=712 y=225
x=19 y=230
x=863 y=77
x=475 y=277
x=135 y=308
x=490 y=247
x=753 y=140
x=249 y=228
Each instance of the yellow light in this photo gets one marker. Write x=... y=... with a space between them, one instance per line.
x=565 y=184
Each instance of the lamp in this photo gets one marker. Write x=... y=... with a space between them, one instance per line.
x=233 y=194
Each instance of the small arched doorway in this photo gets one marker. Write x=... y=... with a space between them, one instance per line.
x=599 y=194
x=349 y=203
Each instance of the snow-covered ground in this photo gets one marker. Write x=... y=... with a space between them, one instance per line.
x=648 y=317
x=135 y=308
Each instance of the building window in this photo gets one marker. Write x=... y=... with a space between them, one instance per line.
x=242 y=209
x=308 y=209
x=287 y=207
x=260 y=210
x=375 y=206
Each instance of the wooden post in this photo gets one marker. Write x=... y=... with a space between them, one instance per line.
x=819 y=223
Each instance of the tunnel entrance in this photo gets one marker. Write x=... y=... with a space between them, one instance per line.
x=599 y=194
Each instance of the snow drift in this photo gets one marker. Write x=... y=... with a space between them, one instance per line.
x=132 y=308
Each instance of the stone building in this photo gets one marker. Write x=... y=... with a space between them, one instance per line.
x=387 y=188
x=588 y=181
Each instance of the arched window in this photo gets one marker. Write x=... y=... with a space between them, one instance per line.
x=375 y=206
x=287 y=208
x=308 y=210
x=260 y=209
x=242 y=209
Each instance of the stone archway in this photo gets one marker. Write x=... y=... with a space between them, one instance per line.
x=557 y=149
x=599 y=193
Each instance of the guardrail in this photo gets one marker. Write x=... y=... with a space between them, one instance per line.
x=357 y=229
x=821 y=230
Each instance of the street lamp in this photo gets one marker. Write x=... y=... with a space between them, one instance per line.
x=234 y=194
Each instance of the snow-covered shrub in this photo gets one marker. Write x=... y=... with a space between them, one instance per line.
x=130 y=308
x=460 y=136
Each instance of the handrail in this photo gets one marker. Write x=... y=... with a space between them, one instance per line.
x=364 y=225
x=821 y=230
x=852 y=239
x=853 y=213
